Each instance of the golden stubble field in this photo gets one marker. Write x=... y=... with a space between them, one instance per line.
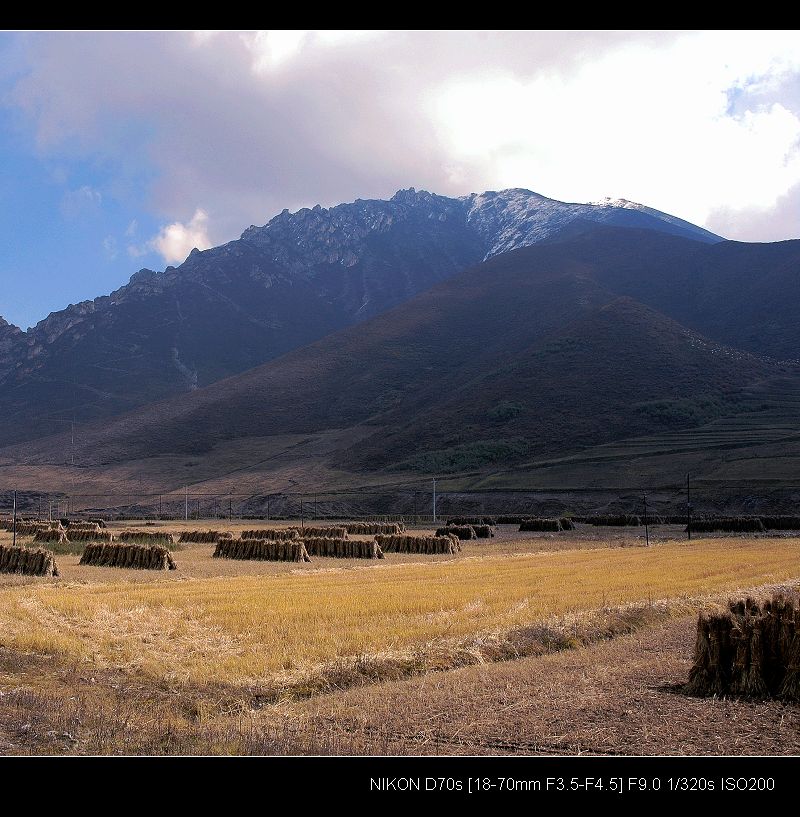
x=254 y=624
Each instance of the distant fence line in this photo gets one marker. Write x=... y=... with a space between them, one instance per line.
x=395 y=503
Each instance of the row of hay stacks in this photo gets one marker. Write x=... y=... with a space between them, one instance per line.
x=27 y=561
x=418 y=544
x=336 y=548
x=30 y=528
x=472 y=520
x=332 y=532
x=752 y=650
x=273 y=550
x=145 y=537
x=272 y=533
x=203 y=536
x=546 y=524
x=374 y=528
x=120 y=554
x=729 y=524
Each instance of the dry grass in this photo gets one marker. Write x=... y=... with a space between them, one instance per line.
x=248 y=631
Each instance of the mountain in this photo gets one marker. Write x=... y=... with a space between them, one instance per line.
x=277 y=288
x=526 y=354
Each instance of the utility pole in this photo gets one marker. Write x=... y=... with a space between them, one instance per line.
x=302 y=523
x=14 y=525
x=230 y=508
x=646 y=527
x=688 y=508
x=267 y=507
x=434 y=499
x=315 y=506
x=186 y=504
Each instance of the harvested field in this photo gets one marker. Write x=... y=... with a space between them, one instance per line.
x=118 y=554
x=368 y=609
x=418 y=544
x=27 y=561
x=342 y=548
x=272 y=550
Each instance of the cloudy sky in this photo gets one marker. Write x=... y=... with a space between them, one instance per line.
x=125 y=150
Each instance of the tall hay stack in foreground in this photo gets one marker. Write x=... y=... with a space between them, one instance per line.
x=27 y=561
x=120 y=554
x=752 y=650
x=335 y=548
x=263 y=550
x=271 y=533
x=464 y=532
x=418 y=544
x=374 y=528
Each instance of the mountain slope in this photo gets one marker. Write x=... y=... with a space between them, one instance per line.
x=278 y=287
x=523 y=354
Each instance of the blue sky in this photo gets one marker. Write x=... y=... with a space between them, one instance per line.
x=124 y=150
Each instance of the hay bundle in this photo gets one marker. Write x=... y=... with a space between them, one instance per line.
x=342 y=548
x=89 y=535
x=200 y=536
x=472 y=520
x=566 y=523
x=460 y=531
x=271 y=533
x=510 y=520
x=418 y=544
x=50 y=535
x=267 y=550
x=374 y=528
x=538 y=524
x=146 y=537
x=92 y=526
x=730 y=524
x=99 y=522
x=483 y=531
x=781 y=522
x=27 y=561
x=326 y=533
x=119 y=554
x=753 y=650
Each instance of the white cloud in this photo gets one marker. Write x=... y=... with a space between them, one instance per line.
x=175 y=241
x=110 y=247
x=80 y=202
x=693 y=123
x=132 y=229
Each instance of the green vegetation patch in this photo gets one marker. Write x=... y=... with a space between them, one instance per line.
x=466 y=456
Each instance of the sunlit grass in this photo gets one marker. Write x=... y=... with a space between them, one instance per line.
x=248 y=628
